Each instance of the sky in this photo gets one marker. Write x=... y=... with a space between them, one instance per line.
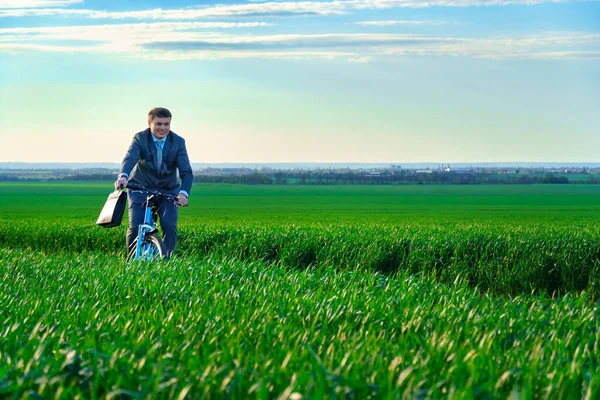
x=362 y=81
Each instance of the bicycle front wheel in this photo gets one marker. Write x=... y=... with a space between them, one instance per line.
x=151 y=249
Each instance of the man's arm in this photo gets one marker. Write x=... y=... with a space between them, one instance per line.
x=185 y=169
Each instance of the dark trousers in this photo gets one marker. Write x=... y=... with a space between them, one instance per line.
x=167 y=214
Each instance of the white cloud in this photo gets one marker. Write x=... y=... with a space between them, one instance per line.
x=190 y=40
x=574 y=55
x=360 y=59
x=117 y=38
x=181 y=56
x=120 y=37
x=268 y=8
x=37 y=3
x=44 y=12
x=546 y=46
x=270 y=55
x=382 y=4
x=392 y=23
x=75 y=31
x=20 y=47
x=234 y=10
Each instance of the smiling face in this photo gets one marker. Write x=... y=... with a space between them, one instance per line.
x=160 y=127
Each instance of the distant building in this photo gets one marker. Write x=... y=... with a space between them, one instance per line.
x=457 y=170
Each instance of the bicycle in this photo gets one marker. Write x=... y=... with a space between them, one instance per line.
x=148 y=246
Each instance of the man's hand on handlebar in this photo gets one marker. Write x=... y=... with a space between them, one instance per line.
x=121 y=183
x=181 y=199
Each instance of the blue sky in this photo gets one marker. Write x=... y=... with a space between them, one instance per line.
x=303 y=81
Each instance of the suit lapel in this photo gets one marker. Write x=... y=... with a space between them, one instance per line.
x=167 y=146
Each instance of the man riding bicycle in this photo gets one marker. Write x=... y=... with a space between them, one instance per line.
x=155 y=157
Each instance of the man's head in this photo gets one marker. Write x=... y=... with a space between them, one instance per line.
x=159 y=121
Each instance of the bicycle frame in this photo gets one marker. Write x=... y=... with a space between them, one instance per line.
x=148 y=226
x=144 y=248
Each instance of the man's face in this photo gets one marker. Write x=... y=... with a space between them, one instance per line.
x=160 y=127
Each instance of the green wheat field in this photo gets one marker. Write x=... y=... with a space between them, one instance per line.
x=306 y=292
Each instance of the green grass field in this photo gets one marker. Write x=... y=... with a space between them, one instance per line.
x=306 y=292
x=391 y=205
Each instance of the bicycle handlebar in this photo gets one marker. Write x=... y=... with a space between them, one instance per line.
x=157 y=193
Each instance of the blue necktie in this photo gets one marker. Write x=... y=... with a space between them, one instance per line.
x=159 y=148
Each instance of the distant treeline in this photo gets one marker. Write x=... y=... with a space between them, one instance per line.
x=355 y=178
x=349 y=177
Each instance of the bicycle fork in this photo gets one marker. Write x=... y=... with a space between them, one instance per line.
x=147 y=226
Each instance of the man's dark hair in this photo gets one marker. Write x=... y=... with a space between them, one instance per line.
x=159 y=112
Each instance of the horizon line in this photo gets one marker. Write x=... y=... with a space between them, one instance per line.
x=319 y=162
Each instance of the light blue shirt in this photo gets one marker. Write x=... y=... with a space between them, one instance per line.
x=163 y=140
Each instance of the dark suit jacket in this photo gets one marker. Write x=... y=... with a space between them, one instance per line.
x=140 y=163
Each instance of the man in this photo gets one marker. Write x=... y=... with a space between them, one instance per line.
x=153 y=160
